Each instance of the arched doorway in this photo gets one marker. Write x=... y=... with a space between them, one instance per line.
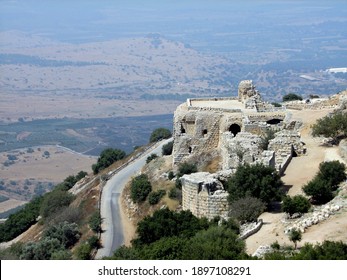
x=234 y=129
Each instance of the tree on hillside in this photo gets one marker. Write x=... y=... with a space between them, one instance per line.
x=55 y=201
x=215 y=243
x=140 y=188
x=257 y=180
x=160 y=134
x=167 y=149
x=107 y=157
x=291 y=97
x=333 y=172
x=332 y=126
x=166 y=223
x=321 y=188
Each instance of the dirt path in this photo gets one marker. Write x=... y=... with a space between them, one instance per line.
x=300 y=171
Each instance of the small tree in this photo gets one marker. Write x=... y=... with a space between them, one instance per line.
x=160 y=134
x=167 y=149
x=151 y=157
x=257 y=180
x=296 y=204
x=333 y=172
x=247 y=209
x=295 y=236
x=83 y=252
x=95 y=222
x=154 y=197
x=140 y=188
x=319 y=190
x=291 y=97
x=66 y=233
x=331 y=126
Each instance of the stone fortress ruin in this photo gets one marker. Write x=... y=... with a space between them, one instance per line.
x=232 y=129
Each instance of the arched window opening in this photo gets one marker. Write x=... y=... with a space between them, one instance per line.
x=204 y=132
x=190 y=150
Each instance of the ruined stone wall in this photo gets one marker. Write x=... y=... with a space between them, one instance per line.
x=204 y=196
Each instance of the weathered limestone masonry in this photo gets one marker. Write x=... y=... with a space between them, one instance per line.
x=231 y=128
x=204 y=195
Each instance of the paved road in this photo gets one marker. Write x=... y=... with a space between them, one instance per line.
x=113 y=236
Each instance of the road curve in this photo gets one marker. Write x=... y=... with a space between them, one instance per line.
x=112 y=236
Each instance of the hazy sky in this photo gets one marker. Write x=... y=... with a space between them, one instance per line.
x=76 y=20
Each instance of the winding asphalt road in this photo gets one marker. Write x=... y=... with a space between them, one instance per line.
x=113 y=235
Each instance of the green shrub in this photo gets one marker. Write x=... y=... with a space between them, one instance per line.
x=154 y=197
x=171 y=175
x=186 y=168
x=257 y=180
x=160 y=134
x=95 y=222
x=167 y=149
x=333 y=172
x=107 y=158
x=319 y=190
x=140 y=188
x=55 y=201
x=296 y=204
x=333 y=126
x=151 y=157
x=67 y=233
x=94 y=242
x=175 y=193
x=291 y=97
x=247 y=209
x=83 y=252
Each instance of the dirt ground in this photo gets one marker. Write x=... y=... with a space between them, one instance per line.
x=300 y=171
x=31 y=168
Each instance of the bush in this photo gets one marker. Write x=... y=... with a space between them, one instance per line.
x=291 y=97
x=95 y=222
x=166 y=223
x=333 y=172
x=160 y=134
x=154 y=197
x=319 y=190
x=55 y=201
x=175 y=193
x=167 y=149
x=42 y=250
x=83 y=252
x=140 y=188
x=94 y=242
x=151 y=157
x=295 y=204
x=247 y=209
x=186 y=168
x=333 y=126
x=171 y=175
x=67 y=233
x=107 y=158
x=258 y=181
